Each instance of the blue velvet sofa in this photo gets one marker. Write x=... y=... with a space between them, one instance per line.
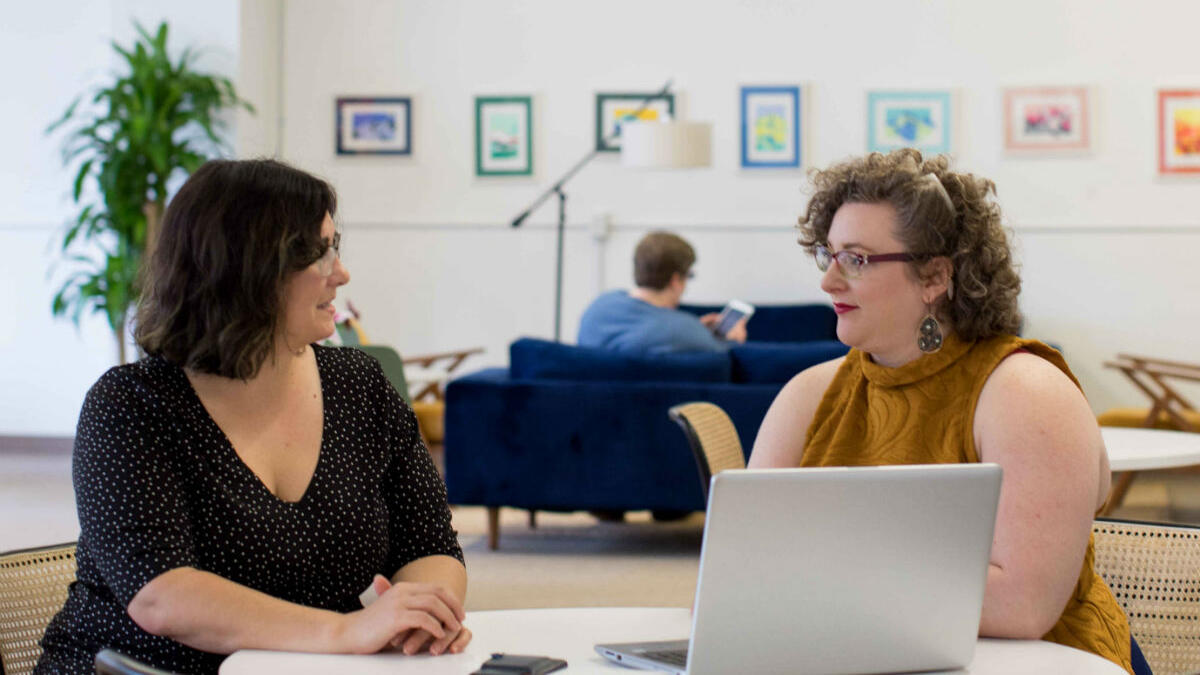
x=566 y=428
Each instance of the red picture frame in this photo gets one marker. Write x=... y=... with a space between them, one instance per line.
x=1047 y=120
x=1178 y=131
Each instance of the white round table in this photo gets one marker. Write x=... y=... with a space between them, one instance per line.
x=1133 y=449
x=571 y=634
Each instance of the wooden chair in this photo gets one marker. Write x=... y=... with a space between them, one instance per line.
x=33 y=588
x=712 y=438
x=1154 y=572
x=1168 y=408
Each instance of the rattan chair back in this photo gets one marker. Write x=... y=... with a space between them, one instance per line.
x=712 y=438
x=33 y=587
x=1154 y=571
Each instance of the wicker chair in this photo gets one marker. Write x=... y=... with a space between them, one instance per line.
x=33 y=587
x=1154 y=571
x=712 y=437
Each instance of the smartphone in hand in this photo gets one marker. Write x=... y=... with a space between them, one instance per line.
x=733 y=312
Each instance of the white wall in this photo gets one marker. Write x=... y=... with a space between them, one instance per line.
x=52 y=52
x=1108 y=247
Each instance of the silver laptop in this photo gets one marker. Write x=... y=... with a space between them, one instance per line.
x=838 y=570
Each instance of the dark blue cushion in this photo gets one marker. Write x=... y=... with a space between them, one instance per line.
x=531 y=358
x=562 y=445
x=783 y=323
x=779 y=361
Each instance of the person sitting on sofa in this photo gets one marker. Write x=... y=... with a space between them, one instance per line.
x=647 y=320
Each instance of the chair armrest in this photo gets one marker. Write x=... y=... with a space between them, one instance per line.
x=455 y=357
x=1173 y=368
x=433 y=378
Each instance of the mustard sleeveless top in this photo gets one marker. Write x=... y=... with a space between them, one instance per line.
x=924 y=413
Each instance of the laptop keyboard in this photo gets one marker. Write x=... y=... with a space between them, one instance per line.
x=674 y=657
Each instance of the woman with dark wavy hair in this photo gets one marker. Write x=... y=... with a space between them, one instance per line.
x=920 y=274
x=240 y=486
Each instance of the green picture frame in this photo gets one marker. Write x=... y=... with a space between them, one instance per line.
x=612 y=108
x=503 y=135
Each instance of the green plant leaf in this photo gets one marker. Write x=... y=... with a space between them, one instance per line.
x=83 y=173
x=66 y=116
x=150 y=120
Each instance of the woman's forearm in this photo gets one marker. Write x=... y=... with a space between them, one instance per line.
x=208 y=612
x=440 y=570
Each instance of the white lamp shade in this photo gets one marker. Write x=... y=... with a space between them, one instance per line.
x=666 y=145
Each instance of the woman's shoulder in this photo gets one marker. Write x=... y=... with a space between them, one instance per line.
x=781 y=438
x=135 y=400
x=349 y=367
x=814 y=380
x=1029 y=384
x=805 y=391
x=148 y=377
x=1031 y=374
x=1024 y=363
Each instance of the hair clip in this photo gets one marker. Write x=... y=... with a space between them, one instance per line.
x=932 y=177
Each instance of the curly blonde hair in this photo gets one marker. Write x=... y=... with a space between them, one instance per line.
x=940 y=213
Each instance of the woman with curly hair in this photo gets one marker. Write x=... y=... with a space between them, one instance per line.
x=920 y=274
x=240 y=486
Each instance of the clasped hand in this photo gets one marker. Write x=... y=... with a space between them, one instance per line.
x=409 y=616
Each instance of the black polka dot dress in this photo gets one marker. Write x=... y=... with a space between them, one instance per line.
x=158 y=486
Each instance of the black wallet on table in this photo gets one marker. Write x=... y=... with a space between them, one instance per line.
x=515 y=664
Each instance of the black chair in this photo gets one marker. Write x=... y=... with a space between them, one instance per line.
x=109 y=662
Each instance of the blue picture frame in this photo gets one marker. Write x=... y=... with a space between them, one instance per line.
x=373 y=125
x=770 y=140
x=922 y=120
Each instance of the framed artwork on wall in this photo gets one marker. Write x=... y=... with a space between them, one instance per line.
x=770 y=127
x=1178 y=131
x=612 y=109
x=374 y=126
x=503 y=136
x=909 y=119
x=1046 y=119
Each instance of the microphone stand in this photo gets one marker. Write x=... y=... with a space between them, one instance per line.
x=557 y=189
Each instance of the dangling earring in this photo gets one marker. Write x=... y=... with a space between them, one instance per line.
x=929 y=337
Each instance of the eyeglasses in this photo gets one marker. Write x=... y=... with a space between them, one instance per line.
x=852 y=263
x=326 y=261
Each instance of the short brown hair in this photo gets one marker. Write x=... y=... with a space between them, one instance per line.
x=965 y=228
x=234 y=233
x=658 y=257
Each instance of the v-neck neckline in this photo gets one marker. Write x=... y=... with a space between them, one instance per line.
x=243 y=468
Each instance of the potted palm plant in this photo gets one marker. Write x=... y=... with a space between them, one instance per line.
x=157 y=120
